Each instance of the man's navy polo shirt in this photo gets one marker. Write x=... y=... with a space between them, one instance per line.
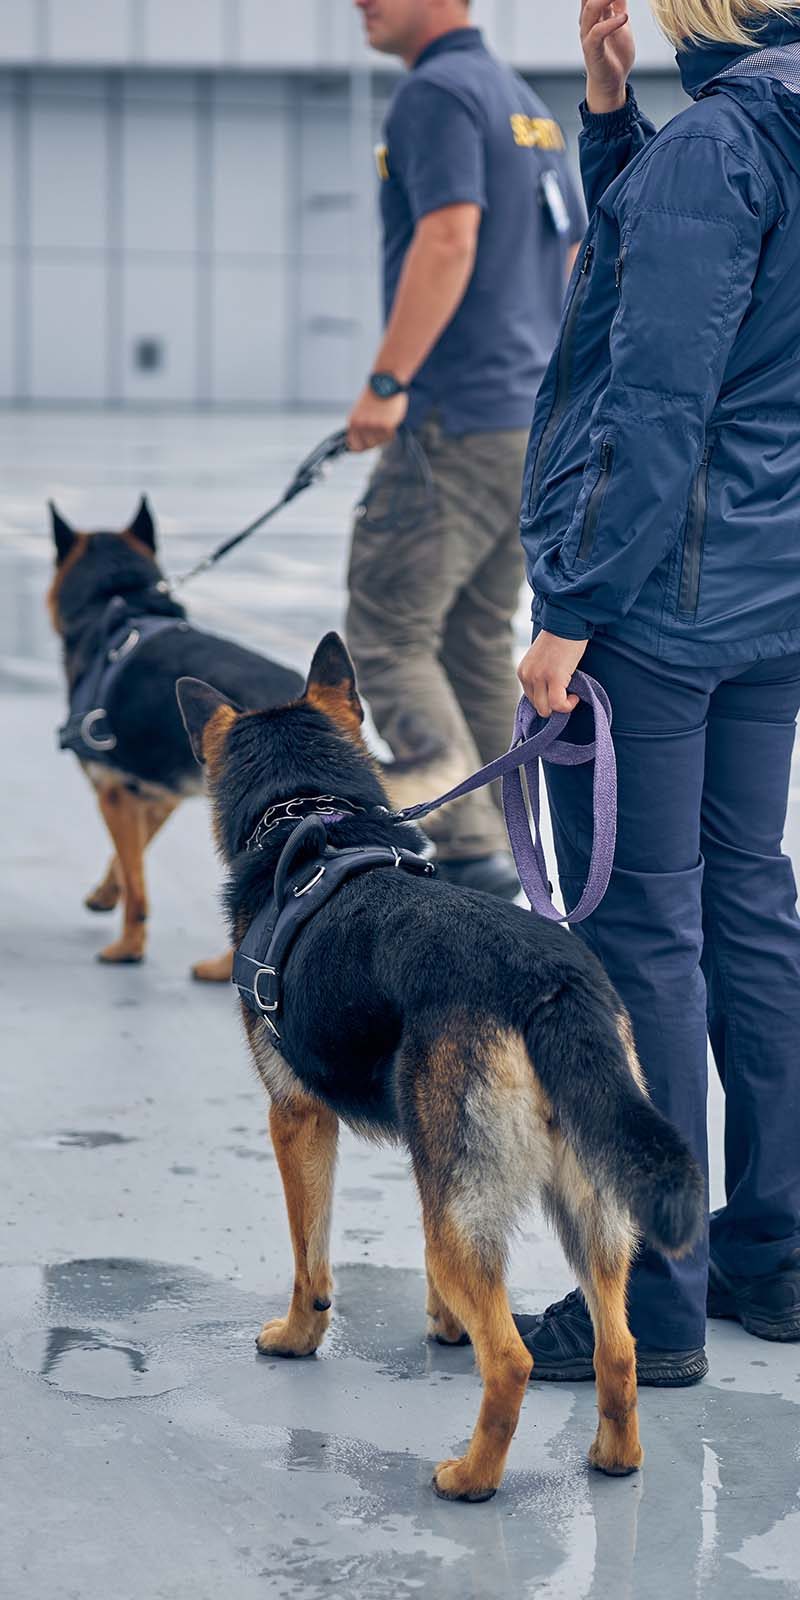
x=462 y=127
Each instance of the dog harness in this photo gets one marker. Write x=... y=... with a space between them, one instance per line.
x=309 y=873
x=87 y=729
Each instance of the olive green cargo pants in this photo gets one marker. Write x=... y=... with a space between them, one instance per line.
x=434 y=583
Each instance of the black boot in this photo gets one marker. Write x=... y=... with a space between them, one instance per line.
x=767 y=1307
x=561 y=1341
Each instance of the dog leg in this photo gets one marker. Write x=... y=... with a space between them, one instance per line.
x=616 y=1448
x=304 y=1135
x=124 y=817
x=598 y=1242
x=219 y=969
x=477 y=1296
x=442 y=1325
x=107 y=892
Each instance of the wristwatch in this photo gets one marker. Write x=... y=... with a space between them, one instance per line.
x=385 y=385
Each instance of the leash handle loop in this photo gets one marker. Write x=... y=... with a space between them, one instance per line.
x=528 y=748
x=528 y=850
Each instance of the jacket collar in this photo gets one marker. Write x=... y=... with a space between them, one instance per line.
x=456 y=39
x=699 y=64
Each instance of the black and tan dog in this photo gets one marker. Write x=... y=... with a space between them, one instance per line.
x=151 y=769
x=485 y=1039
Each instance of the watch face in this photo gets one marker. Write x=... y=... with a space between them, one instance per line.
x=384 y=385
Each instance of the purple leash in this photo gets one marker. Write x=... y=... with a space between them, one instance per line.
x=527 y=750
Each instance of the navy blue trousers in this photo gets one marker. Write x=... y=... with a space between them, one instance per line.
x=700 y=935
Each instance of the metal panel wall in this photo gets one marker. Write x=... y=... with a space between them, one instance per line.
x=536 y=35
x=198 y=237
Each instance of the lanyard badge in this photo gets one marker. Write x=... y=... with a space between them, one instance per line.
x=554 y=202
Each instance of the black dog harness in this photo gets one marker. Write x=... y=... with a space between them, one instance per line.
x=87 y=729
x=308 y=875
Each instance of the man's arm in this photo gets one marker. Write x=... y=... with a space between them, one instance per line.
x=433 y=282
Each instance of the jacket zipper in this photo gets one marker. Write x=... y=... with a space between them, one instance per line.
x=563 y=375
x=619 y=268
x=689 y=591
x=595 y=502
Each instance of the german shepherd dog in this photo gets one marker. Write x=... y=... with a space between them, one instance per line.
x=486 y=1040
x=151 y=769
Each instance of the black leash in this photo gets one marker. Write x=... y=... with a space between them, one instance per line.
x=308 y=472
x=87 y=730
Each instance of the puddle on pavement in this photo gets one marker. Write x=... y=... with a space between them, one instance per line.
x=75 y=1139
x=122 y=1328
x=380 y=1318
x=85 y=1361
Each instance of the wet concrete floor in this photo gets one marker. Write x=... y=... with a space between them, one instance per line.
x=148 y=1453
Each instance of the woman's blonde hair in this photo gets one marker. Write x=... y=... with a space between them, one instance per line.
x=718 y=21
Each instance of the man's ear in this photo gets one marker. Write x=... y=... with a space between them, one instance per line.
x=143 y=527
x=63 y=534
x=199 y=704
x=331 y=683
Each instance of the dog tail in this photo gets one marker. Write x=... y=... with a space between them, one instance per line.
x=585 y=1060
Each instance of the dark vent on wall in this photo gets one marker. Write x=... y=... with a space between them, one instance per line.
x=148 y=355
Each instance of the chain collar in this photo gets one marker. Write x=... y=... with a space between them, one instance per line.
x=331 y=806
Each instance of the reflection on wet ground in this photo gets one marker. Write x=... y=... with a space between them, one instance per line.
x=314 y=1476
x=155 y=1455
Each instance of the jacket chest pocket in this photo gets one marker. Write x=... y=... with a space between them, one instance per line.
x=694 y=539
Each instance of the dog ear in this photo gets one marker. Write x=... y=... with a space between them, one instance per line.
x=331 y=683
x=199 y=704
x=143 y=526
x=63 y=534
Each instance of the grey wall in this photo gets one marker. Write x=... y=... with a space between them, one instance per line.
x=274 y=34
x=220 y=217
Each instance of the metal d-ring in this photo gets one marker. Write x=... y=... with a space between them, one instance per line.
x=126 y=647
x=90 y=738
x=264 y=1005
x=320 y=873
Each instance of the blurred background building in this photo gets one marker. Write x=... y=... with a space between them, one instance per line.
x=187 y=191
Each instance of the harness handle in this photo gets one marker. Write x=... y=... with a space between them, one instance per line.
x=527 y=749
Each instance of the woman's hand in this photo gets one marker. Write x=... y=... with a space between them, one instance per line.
x=609 y=52
x=546 y=669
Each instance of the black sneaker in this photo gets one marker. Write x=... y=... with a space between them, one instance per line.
x=495 y=874
x=561 y=1341
x=767 y=1307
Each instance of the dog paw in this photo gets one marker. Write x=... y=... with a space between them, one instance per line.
x=103 y=898
x=443 y=1329
x=219 y=969
x=453 y=1481
x=123 y=952
x=282 y=1337
x=614 y=1458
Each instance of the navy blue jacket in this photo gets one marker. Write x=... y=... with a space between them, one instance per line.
x=661 y=498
